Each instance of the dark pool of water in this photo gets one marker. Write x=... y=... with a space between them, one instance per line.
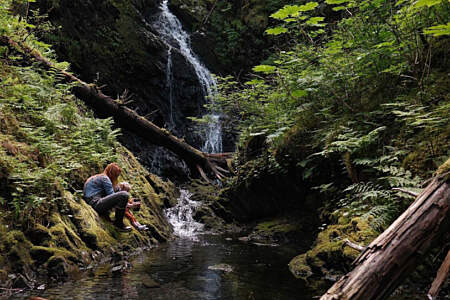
x=184 y=269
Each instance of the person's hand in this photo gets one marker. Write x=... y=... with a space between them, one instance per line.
x=134 y=204
x=125 y=186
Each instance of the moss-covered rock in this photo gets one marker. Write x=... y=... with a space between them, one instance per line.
x=209 y=212
x=329 y=253
x=444 y=168
x=15 y=251
x=278 y=230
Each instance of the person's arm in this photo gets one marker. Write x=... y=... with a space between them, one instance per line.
x=107 y=185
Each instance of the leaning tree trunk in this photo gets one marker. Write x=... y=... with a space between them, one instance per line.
x=441 y=276
x=384 y=264
x=129 y=119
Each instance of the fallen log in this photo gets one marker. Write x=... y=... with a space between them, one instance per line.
x=385 y=263
x=127 y=118
x=441 y=276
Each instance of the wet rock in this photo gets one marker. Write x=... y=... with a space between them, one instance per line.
x=148 y=282
x=120 y=267
x=221 y=267
x=266 y=245
x=90 y=238
x=332 y=277
x=3 y=275
x=21 y=282
x=41 y=254
x=39 y=235
x=57 y=267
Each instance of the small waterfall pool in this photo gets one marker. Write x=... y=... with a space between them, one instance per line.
x=193 y=266
x=211 y=267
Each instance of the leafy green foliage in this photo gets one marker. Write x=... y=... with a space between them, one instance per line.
x=438 y=30
x=360 y=91
x=48 y=142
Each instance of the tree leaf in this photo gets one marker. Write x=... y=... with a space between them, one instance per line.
x=438 y=30
x=429 y=3
x=276 y=30
x=264 y=69
x=254 y=82
x=299 y=93
x=336 y=1
x=308 y=6
x=286 y=11
x=316 y=21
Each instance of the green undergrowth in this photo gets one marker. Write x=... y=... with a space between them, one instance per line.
x=355 y=108
x=50 y=143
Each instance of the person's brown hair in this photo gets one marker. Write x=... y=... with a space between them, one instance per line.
x=113 y=171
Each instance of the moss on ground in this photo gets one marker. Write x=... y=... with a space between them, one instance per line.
x=444 y=168
x=277 y=230
x=329 y=252
x=75 y=231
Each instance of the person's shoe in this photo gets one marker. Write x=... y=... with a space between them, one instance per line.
x=139 y=226
x=122 y=227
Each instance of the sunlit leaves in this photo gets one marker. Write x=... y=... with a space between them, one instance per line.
x=255 y=82
x=336 y=1
x=315 y=21
x=308 y=6
x=286 y=11
x=276 y=30
x=266 y=69
x=293 y=10
x=438 y=30
x=428 y=3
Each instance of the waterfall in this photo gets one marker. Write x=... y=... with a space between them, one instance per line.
x=169 y=80
x=171 y=32
x=180 y=216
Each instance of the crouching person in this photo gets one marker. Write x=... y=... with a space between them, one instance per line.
x=99 y=193
x=125 y=186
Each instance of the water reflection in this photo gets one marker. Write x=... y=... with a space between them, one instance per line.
x=211 y=268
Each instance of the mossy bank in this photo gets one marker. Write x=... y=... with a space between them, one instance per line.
x=50 y=143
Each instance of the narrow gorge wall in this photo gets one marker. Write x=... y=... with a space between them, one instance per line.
x=114 y=45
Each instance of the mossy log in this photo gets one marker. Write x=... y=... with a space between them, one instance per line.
x=383 y=265
x=129 y=119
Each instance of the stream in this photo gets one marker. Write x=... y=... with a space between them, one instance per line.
x=210 y=267
x=195 y=265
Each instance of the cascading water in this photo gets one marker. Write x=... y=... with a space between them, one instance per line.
x=169 y=80
x=171 y=31
x=180 y=216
